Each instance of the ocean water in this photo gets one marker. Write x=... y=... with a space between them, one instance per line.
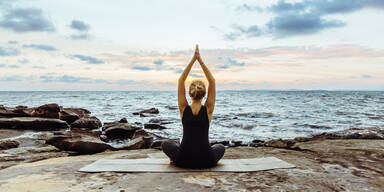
x=238 y=115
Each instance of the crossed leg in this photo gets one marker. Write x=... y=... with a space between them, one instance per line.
x=218 y=151
x=171 y=149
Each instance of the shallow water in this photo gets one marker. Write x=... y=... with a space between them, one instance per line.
x=239 y=115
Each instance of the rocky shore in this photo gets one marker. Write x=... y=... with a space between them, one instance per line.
x=44 y=146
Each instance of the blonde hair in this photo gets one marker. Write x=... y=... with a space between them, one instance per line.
x=197 y=89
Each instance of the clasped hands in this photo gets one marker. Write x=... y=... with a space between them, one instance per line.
x=197 y=56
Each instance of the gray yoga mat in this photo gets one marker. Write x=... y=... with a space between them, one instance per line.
x=163 y=165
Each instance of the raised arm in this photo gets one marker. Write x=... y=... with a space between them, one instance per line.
x=211 y=98
x=182 y=100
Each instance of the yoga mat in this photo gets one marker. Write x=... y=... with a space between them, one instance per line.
x=163 y=165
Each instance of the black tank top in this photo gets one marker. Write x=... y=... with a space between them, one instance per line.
x=195 y=150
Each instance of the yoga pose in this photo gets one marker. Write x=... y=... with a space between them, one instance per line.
x=195 y=150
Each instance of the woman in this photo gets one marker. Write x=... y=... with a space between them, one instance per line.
x=195 y=150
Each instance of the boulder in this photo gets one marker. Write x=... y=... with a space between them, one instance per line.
x=34 y=123
x=141 y=133
x=68 y=116
x=47 y=111
x=226 y=143
x=119 y=129
x=87 y=123
x=137 y=143
x=160 y=121
x=14 y=112
x=151 y=110
x=78 y=111
x=79 y=143
x=153 y=126
x=7 y=144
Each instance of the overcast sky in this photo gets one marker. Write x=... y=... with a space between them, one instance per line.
x=145 y=45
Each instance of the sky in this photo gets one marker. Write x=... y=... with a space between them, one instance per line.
x=101 y=45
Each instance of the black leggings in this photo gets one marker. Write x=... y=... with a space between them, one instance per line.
x=172 y=150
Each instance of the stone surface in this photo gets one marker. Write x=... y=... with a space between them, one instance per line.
x=151 y=110
x=326 y=165
x=47 y=111
x=153 y=126
x=87 y=122
x=119 y=129
x=34 y=123
x=79 y=143
x=68 y=116
x=7 y=144
x=14 y=112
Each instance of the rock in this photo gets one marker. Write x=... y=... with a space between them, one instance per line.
x=137 y=143
x=47 y=110
x=153 y=126
x=151 y=110
x=68 y=116
x=256 y=143
x=157 y=144
x=236 y=143
x=119 y=129
x=34 y=123
x=14 y=112
x=279 y=143
x=141 y=133
x=78 y=111
x=79 y=143
x=171 y=107
x=160 y=121
x=87 y=122
x=226 y=143
x=7 y=144
x=148 y=141
x=2 y=107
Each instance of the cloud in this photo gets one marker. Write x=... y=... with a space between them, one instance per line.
x=22 y=20
x=13 y=66
x=79 y=25
x=71 y=79
x=141 y=68
x=89 y=59
x=41 y=47
x=15 y=78
x=9 y=51
x=23 y=61
x=12 y=42
x=229 y=62
x=80 y=36
x=300 y=18
x=158 y=62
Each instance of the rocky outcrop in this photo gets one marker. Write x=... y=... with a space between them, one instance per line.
x=7 y=144
x=87 y=123
x=153 y=126
x=119 y=129
x=34 y=123
x=14 y=112
x=147 y=111
x=47 y=111
x=79 y=143
x=137 y=143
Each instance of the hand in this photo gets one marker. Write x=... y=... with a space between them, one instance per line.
x=197 y=54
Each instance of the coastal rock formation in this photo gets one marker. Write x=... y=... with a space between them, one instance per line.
x=147 y=111
x=14 y=112
x=7 y=144
x=153 y=126
x=119 y=129
x=34 y=123
x=87 y=123
x=82 y=144
x=47 y=111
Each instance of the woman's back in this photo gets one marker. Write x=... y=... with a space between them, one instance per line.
x=195 y=150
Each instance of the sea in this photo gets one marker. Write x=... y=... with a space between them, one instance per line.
x=239 y=115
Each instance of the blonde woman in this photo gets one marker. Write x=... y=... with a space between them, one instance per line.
x=195 y=150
